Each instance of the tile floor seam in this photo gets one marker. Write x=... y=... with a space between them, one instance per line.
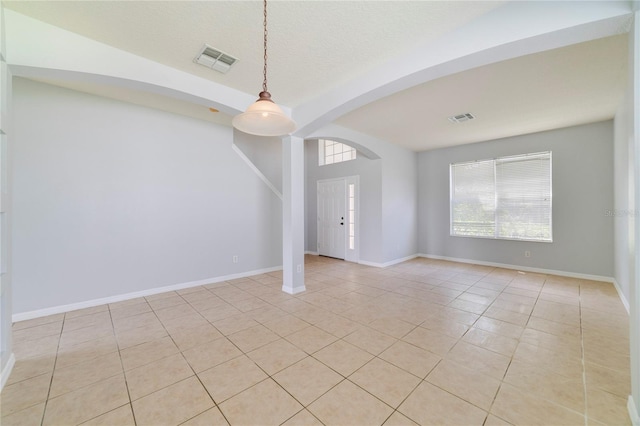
x=215 y=404
x=179 y=352
x=126 y=383
x=444 y=390
x=319 y=396
x=304 y=407
x=362 y=389
x=53 y=371
x=392 y=407
x=582 y=360
x=457 y=396
x=489 y=411
x=495 y=396
x=389 y=416
x=289 y=393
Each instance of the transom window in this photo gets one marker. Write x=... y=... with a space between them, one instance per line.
x=331 y=152
x=507 y=197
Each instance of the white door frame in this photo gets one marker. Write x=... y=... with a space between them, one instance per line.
x=352 y=254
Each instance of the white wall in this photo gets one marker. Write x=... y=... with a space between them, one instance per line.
x=399 y=203
x=112 y=198
x=370 y=172
x=265 y=153
x=388 y=195
x=582 y=195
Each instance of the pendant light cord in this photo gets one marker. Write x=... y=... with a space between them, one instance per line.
x=264 y=117
x=264 y=82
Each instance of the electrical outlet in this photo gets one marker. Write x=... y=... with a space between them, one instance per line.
x=235 y=259
x=299 y=268
x=527 y=253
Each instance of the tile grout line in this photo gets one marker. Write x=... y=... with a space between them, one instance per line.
x=582 y=359
x=126 y=385
x=215 y=404
x=172 y=340
x=344 y=378
x=510 y=358
x=55 y=362
x=269 y=376
x=488 y=412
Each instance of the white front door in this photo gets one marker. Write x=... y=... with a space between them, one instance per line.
x=331 y=218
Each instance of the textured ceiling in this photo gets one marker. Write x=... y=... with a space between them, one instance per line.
x=313 y=45
x=316 y=47
x=573 y=85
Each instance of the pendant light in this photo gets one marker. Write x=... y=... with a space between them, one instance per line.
x=264 y=117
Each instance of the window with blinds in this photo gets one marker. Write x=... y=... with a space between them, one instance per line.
x=507 y=198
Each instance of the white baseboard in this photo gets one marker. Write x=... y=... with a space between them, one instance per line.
x=522 y=268
x=633 y=412
x=6 y=371
x=127 y=296
x=612 y=280
x=291 y=290
x=389 y=263
x=313 y=253
x=622 y=297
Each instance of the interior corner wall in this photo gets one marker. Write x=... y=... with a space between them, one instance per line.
x=112 y=198
x=265 y=153
x=370 y=172
x=400 y=204
x=582 y=202
x=388 y=195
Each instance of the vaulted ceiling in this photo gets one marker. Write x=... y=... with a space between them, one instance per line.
x=394 y=70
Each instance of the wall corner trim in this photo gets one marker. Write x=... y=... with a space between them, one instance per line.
x=622 y=297
x=256 y=170
x=633 y=413
x=6 y=371
x=127 y=296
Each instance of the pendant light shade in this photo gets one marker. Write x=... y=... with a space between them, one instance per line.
x=264 y=117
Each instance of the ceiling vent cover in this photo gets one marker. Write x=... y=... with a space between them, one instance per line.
x=215 y=59
x=461 y=118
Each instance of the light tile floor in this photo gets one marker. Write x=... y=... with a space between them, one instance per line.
x=422 y=342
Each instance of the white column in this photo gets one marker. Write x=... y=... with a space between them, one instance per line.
x=293 y=215
x=634 y=69
x=7 y=358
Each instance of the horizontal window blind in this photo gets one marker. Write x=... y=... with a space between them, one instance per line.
x=473 y=199
x=508 y=197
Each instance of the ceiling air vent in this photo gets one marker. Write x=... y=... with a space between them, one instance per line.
x=461 y=118
x=215 y=59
